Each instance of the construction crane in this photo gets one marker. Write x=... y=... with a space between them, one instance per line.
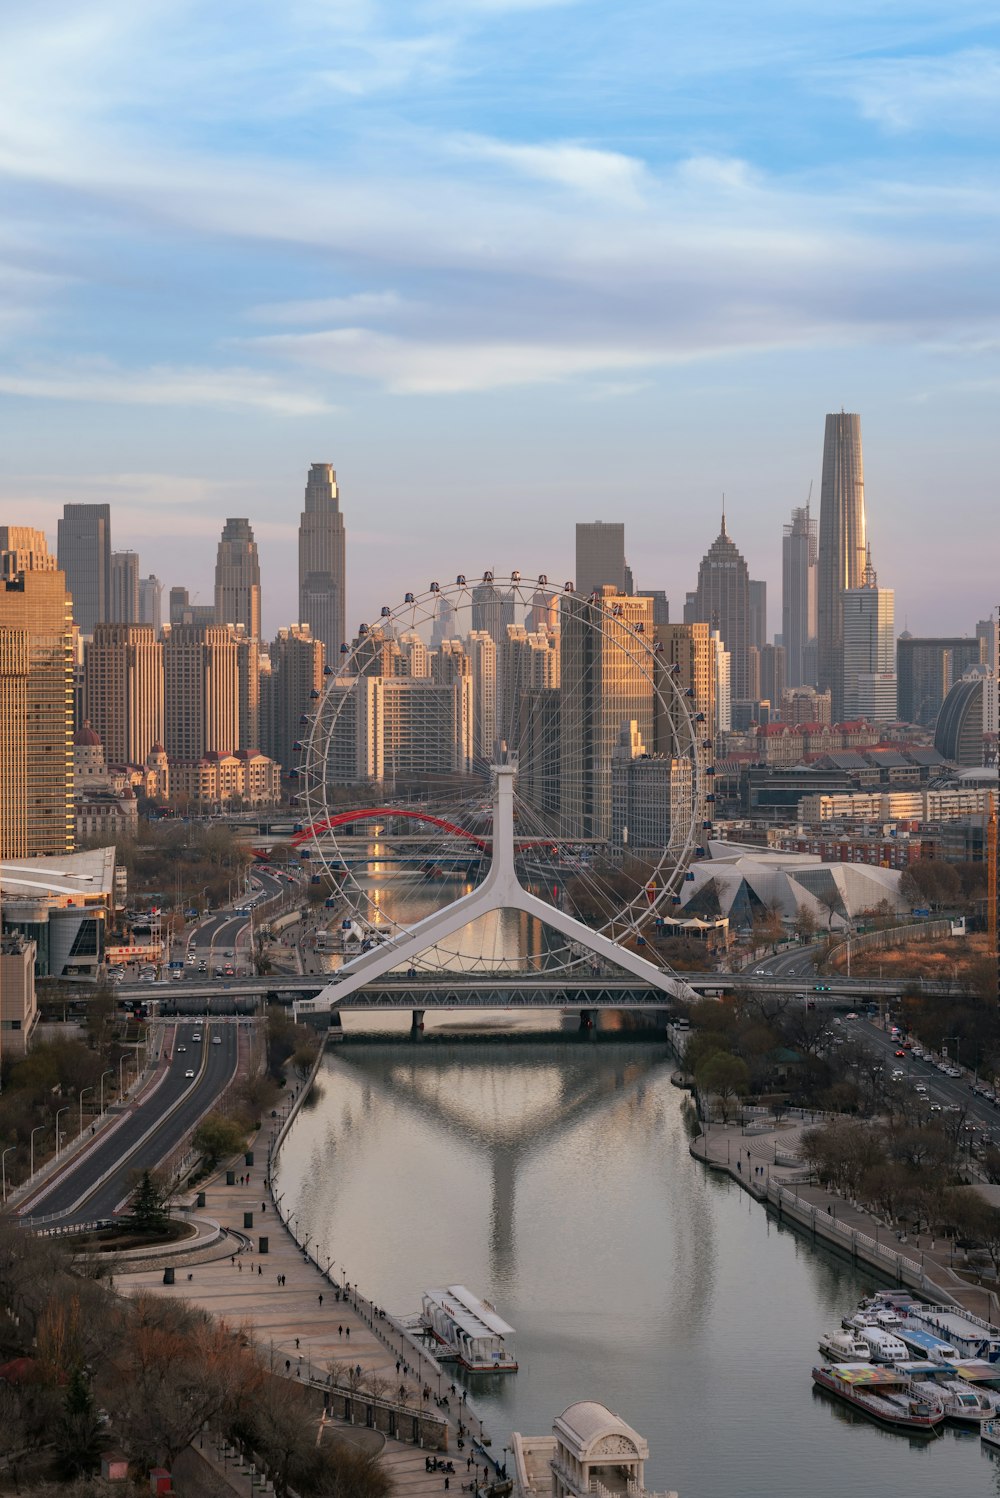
x=991 y=887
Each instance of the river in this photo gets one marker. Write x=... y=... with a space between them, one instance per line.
x=552 y=1175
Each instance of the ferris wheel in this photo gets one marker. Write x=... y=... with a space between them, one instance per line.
x=578 y=694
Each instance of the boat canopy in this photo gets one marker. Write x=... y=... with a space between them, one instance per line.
x=925 y=1342
x=864 y=1373
x=976 y=1370
x=925 y=1370
x=472 y=1315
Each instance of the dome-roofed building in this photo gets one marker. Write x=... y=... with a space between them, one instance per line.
x=590 y=1450
x=958 y=733
x=90 y=766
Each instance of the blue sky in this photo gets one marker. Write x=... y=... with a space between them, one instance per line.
x=507 y=264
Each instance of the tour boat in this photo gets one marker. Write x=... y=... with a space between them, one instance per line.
x=881 y=1394
x=844 y=1347
x=468 y=1329
x=989 y=1432
x=938 y=1385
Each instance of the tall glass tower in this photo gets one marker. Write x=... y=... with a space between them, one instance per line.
x=237 y=578
x=322 y=561
x=842 y=546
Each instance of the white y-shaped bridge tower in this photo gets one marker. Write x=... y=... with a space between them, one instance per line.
x=500 y=890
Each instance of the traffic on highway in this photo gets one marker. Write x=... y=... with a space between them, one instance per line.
x=198 y=1062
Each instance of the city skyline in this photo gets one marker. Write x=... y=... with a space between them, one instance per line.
x=617 y=281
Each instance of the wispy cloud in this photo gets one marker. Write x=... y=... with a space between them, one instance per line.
x=582 y=168
x=945 y=93
x=362 y=304
x=229 y=389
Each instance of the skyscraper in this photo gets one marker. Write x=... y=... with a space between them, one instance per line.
x=84 y=551
x=35 y=609
x=237 y=578
x=201 y=691
x=842 y=542
x=929 y=668
x=124 y=605
x=600 y=558
x=123 y=690
x=758 y=613
x=322 y=561
x=151 y=601
x=798 y=598
x=296 y=672
x=722 y=600
x=14 y=673
x=605 y=682
x=869 y=653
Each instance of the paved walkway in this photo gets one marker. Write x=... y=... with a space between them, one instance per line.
x=751 y=1160
x=242 y=1288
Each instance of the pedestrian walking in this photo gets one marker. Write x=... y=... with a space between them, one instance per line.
x=321 y=1300
x=296 y=1344
x=340 y=1331
x=288 y=1365
x=260 y=1269
x=348 y=1330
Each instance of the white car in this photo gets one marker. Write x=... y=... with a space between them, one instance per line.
x=216 y=1039
x=197 y=1035
x=189 y=1073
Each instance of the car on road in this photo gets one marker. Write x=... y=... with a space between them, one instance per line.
x=188 y=1073
x=901 y=1053
x=936 y=1107
x=196 y=1036
x=181 y=1049
x=216 y=1039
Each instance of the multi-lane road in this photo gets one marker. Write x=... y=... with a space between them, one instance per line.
x=97 y=1181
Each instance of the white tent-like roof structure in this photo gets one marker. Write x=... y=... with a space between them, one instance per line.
x=745 y=879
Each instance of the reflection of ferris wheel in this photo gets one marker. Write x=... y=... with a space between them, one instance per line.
x=577 y=692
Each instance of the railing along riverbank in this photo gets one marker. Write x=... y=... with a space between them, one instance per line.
x=398 y=1338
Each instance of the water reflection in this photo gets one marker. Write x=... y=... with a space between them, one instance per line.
x=555 y=1179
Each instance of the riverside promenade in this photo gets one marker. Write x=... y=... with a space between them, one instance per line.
x=765 y=1163
x=276 y=1296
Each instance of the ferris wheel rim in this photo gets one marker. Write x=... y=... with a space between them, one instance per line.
x=417 y=609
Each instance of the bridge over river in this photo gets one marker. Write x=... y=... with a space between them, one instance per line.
x=419 y=991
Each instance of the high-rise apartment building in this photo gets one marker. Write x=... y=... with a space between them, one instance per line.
x=869 y=652
x=606 y=681
x=151 y=601
x=842 y=546
x=600 y=558
x=25 y=549
x=723 y=673
x=928 y=668
x=201 y=692
x=689 y=655
x=799 y=569
x=35 y=606
x=123 y=690
x=84 y=551
x=237 y=578
x=482 y=652
x=15 y=657
x=124 y=605
x=322 y=561
x=296 y=672
x=722 y=600
x=248 y=678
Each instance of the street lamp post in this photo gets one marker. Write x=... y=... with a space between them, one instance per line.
x=31 y=1149
x=59 y=1114
x=109 y=1073
x=958 y=1046
x=83 y=1094
x=3 y=1167
x=121 y=1072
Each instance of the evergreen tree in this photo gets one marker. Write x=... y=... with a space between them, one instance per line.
x=149 y=1206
